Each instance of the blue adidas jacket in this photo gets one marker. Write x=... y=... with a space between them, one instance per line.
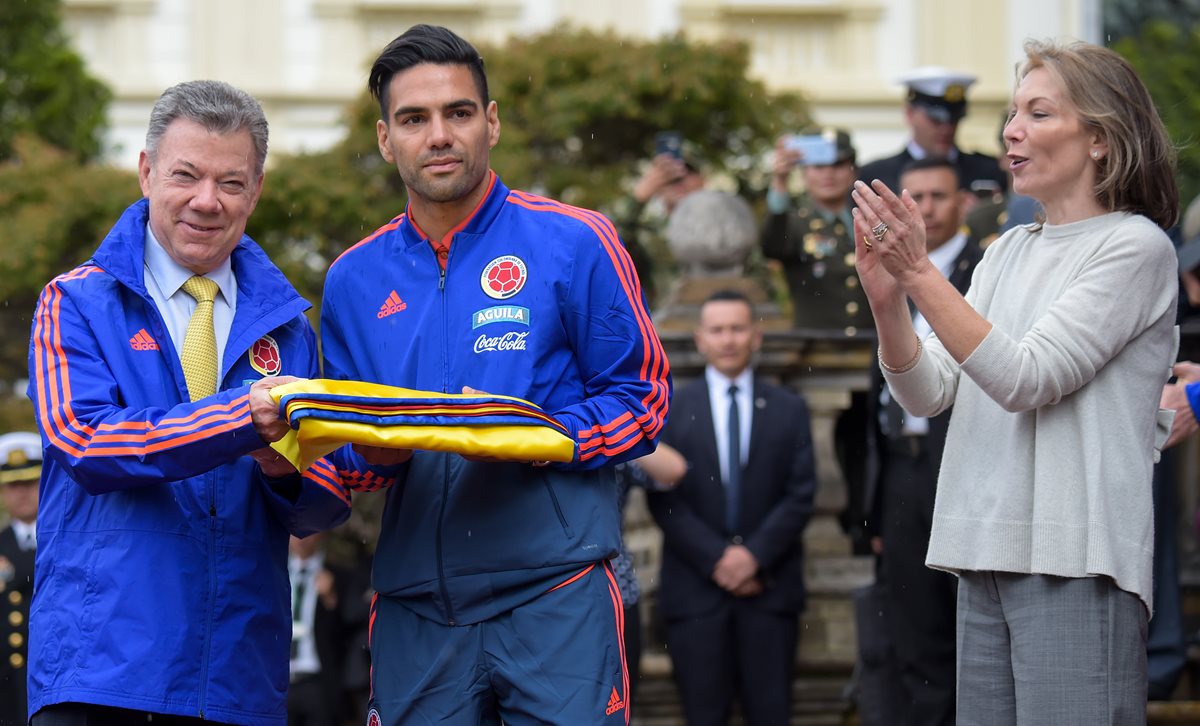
x=538 y=300
x=162 y=579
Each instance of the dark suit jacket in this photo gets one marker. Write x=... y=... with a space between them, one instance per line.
x=778 y=484
x=935 y=440
x=15 y=592
x=335 y=630
x=971 y=166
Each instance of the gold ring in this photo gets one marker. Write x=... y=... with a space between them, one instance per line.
x=867 y=242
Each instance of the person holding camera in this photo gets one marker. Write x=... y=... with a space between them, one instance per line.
x=812 y=238
x=670 y=176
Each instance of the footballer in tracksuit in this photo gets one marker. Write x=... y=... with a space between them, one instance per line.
x=162 y=546
x=495 y=599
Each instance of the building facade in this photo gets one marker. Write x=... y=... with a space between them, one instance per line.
x=307 y=59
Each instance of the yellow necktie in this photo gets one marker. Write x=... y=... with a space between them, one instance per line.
x=199 y=357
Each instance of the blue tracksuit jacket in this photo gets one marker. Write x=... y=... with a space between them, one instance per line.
x=162 y=579
x=538 y=300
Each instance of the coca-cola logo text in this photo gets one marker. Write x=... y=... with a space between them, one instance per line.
x=508 y=341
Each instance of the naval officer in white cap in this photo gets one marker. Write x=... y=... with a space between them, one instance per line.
x=935 y=102
x=20 y=470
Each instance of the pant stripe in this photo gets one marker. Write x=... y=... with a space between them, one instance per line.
x=619 y=612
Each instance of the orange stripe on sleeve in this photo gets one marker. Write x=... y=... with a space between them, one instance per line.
x=382 y=230
x=655 y=367
x=70 y=434
x=323 y=473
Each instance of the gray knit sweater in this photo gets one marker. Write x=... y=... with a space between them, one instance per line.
x=1052 y=439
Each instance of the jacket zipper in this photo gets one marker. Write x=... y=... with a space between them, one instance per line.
x=161 y=332
x=445 y=457
x=212 y=590
x=209 y=488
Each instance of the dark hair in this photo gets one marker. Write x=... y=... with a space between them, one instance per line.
x=1137 y=174
x=728 y=295
x=927 y=163
x=424 y=44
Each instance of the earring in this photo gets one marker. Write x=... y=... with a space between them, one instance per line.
x=1095 y=154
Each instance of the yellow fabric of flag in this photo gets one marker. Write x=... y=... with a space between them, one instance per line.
x=325 y=414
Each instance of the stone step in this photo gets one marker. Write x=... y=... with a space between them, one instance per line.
x=838 y=574
x=818 y=696
x=1160 y=713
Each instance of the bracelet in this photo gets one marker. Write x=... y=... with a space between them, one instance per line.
x=904 y=368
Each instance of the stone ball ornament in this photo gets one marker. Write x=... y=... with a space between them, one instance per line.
x=711 y=232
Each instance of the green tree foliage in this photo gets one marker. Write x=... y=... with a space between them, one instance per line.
x=1167 y=57
x=44 y=88
x=54 y=211
x=1124 y=18
x=578 y=111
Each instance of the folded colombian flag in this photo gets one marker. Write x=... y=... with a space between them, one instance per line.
x=325 y=414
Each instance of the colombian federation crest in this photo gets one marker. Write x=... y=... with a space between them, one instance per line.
x=264 y=356
x=503 y=277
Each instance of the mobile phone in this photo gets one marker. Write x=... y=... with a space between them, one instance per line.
x=669 y=143
x=815 y=149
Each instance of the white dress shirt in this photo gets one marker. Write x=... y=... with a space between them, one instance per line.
x=718 y=394
x=943 y=258
x=303 y=574
x=164 y=279
x=918 y=152
x=26 y=533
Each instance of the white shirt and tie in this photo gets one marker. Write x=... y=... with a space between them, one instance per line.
x=720 y=398
x=164 y=279
x=916 y=151
x=26 y=533
x=942 y=257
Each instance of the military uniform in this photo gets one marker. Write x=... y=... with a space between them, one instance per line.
x=642 y=234
x=972 y=168
x=22 y=468
x=817 y=252
x=16 y=587
x=988 y=220
x=941 y=95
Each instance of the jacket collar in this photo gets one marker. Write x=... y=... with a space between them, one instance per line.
x=263 y=291
x=476 y=223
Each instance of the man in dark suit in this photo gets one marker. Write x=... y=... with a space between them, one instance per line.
x=936 y=102
x=329 y=608
x=732 y=581
x=906 y=454
x=21 y=454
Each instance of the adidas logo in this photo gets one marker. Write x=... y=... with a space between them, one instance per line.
x=614 y=703
x=142 y=341
x=391 y=306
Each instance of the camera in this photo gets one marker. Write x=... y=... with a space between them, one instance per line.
x=815 y=149
x=669 y=143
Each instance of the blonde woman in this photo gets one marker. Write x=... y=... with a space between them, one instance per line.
x=1054 y=362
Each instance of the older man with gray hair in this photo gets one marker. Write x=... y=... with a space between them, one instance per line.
x=163 y=530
